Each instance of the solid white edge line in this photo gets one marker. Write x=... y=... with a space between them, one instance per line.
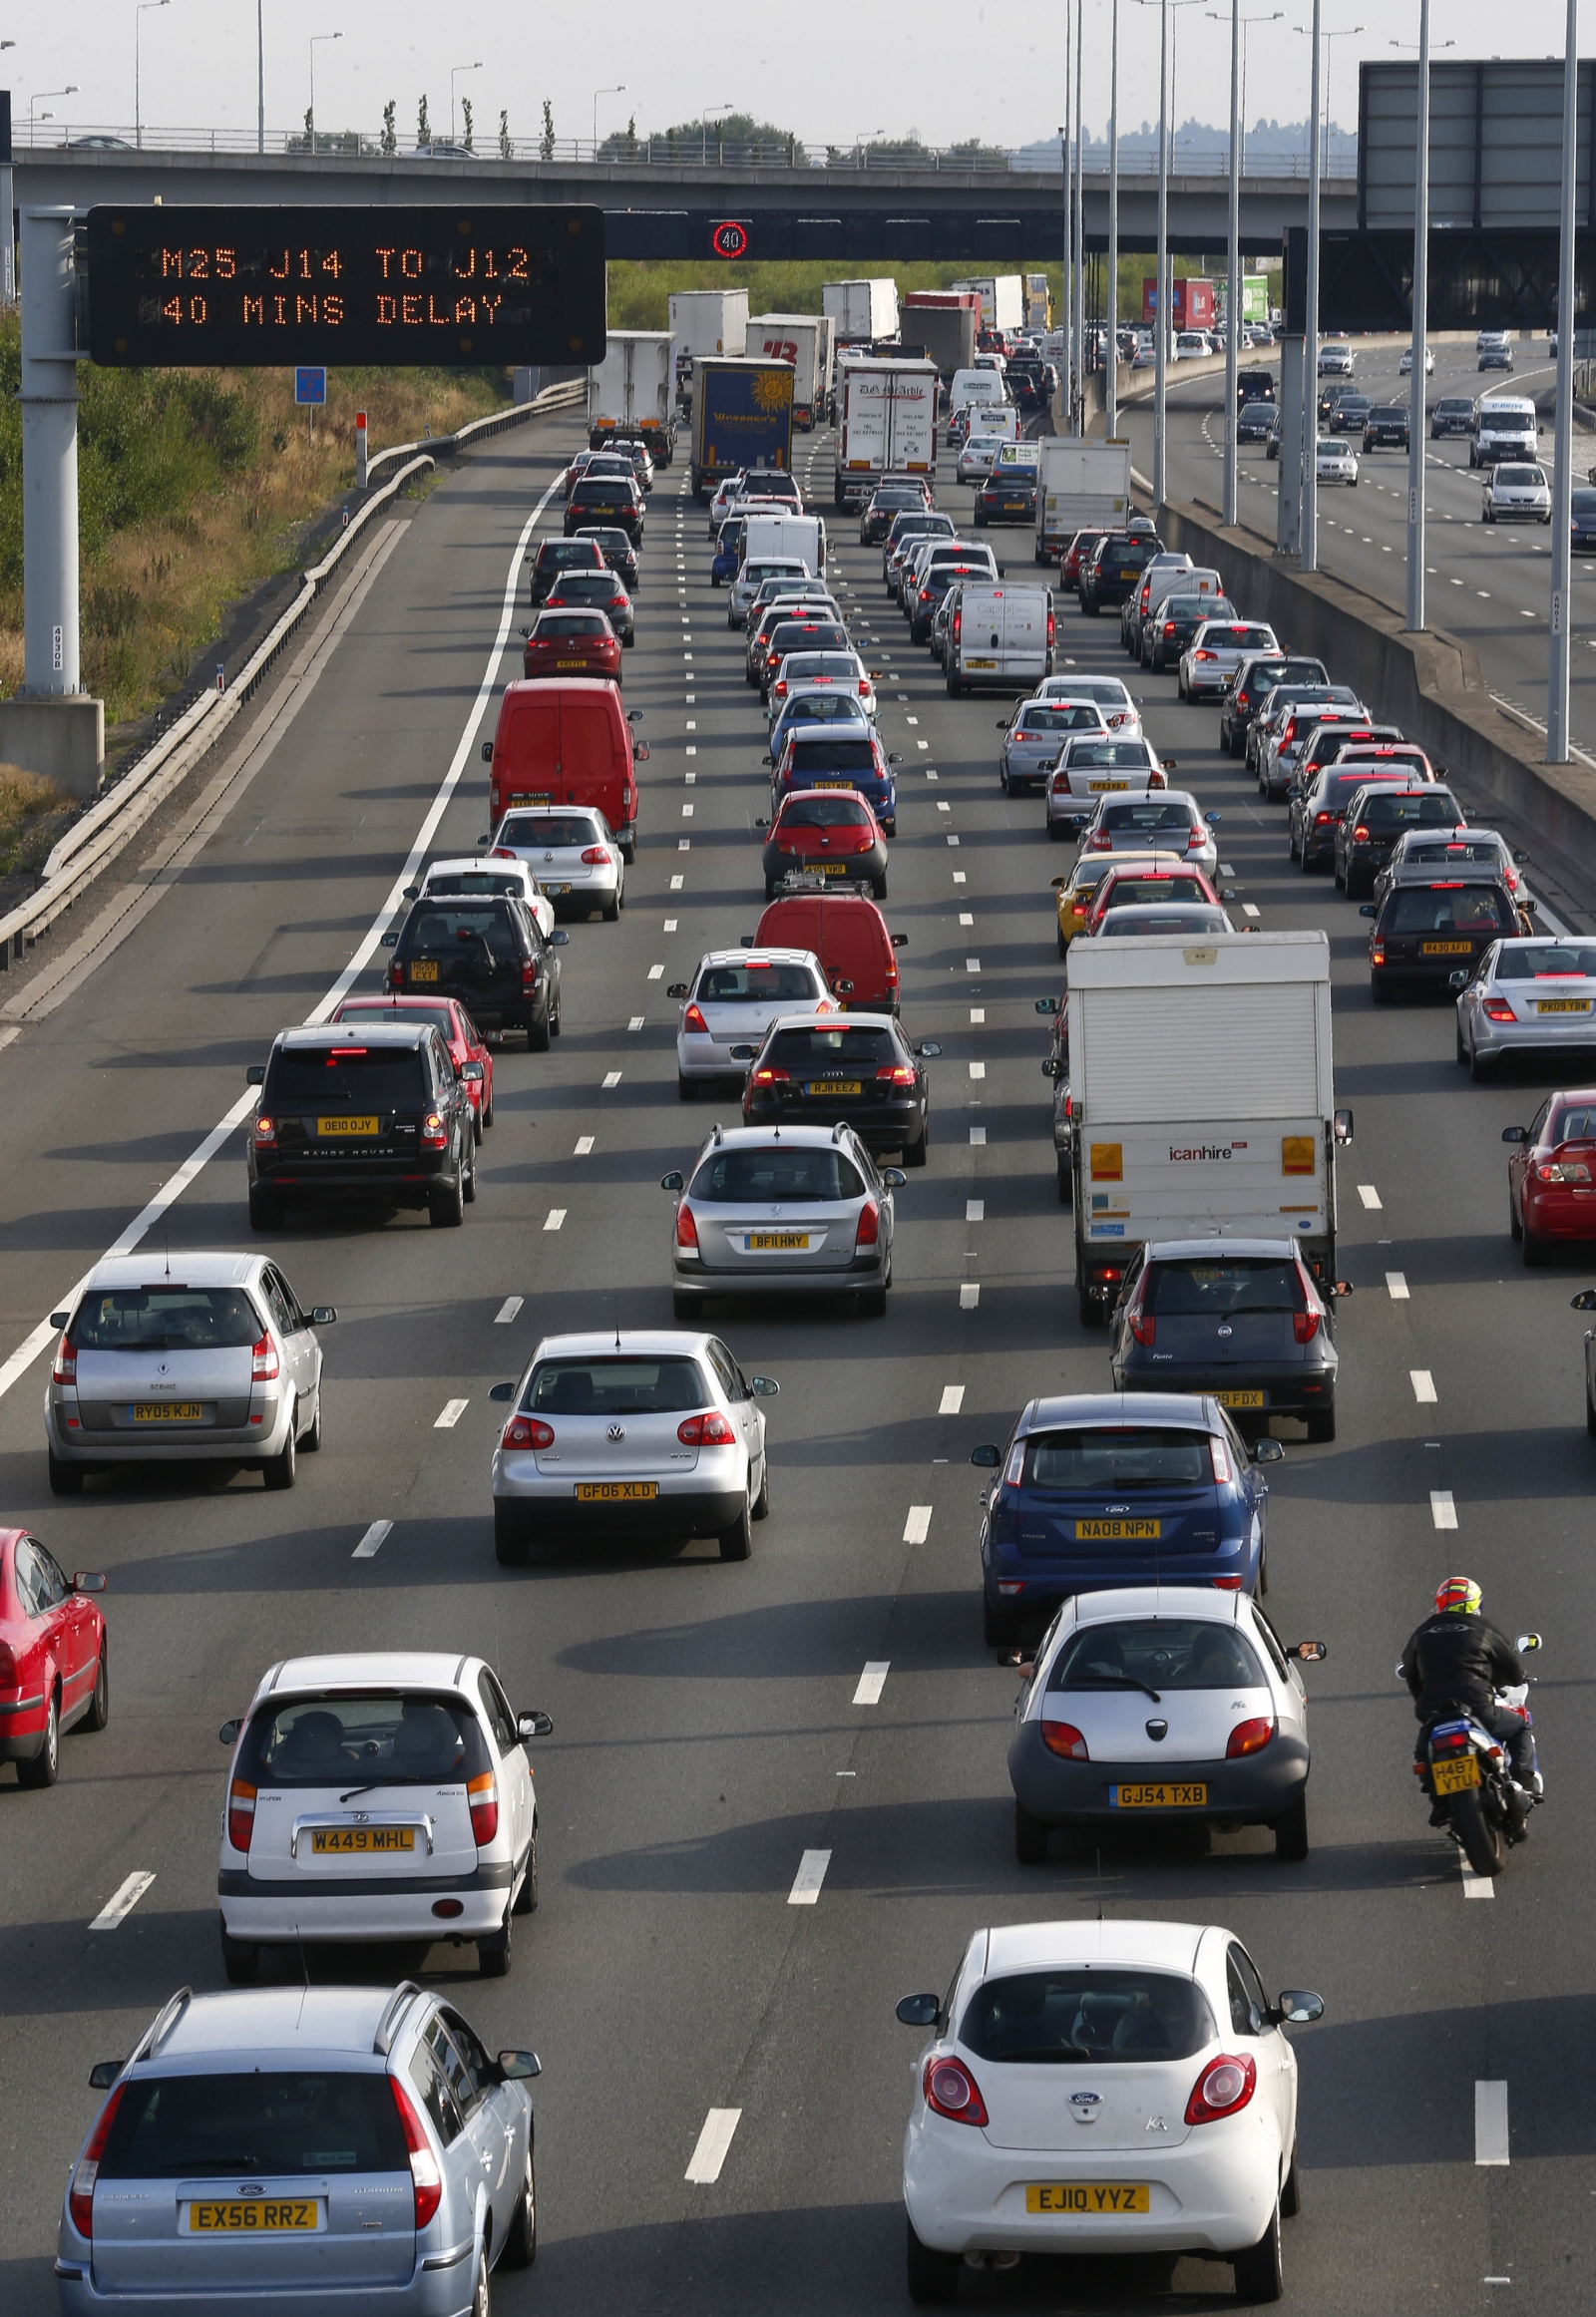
x=173 y=1189
x=704 y=2165
x=123 y=1900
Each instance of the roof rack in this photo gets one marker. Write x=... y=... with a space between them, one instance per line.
x=166 y=2019
x=392 y=2012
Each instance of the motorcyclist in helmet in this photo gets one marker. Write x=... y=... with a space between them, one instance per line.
x=1453 y=1664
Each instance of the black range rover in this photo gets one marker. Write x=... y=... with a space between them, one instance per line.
x=489 y=953
x=377 y=1112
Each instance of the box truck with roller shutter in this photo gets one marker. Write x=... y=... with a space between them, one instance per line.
x=702 y=322
x=1080 y=486
x=801 y=340
x=945 y=322
x=861 y=310
x=1201 y=1099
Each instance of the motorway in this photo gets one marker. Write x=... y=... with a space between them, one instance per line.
x=1488 y=587
x=708 y=1723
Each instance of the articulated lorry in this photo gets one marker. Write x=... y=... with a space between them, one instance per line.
x=702 y=322
x=742 y=417
x=945 y=322
x=1080 y=486
x=804 y=340
x=1003 y=299
x=861 y=310
x=1201 y=1100
x=631 y=392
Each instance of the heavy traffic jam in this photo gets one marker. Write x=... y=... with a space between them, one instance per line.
x=816 y=652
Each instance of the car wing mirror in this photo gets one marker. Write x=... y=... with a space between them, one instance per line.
x=1301 y=2007
x=1368 y=910
x=88 y=1581
x=487 y=752
x=989 y=1456
x=763 y=1386
x=1529 y=1640
x=1169 y=763
x=486 y=838
x=501 y=1391
x=1343 y=1125
x=745 y=941
x=894 y=1178
x=229 y=1733
x=1057 y=883
x=1585 y=1301
x=1308 y=1653
x=1047 y=1006
x=1049 y=1069
x=534 y=1724
x=1213 y=819
x=560 y=938
x=390 y=941
x=894 y=759
x=1460 y=980
x=1343 y=1287
x=742 y=1053
x=256 y=1076
x=928 y=1048
x=326 y=1314
x=412 y=892
x=761 y=823
x=518 y=2067
x=675 y=989
x=1515 y=1134
x=1530 y=906
x=1268 y=1451
x=1520 y=859
x=59 y=1318
x=843 y=988
x=471 y=1073
x=104 y=2073
x=920 y=2011
x=672 y=1180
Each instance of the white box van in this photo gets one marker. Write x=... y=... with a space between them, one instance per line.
x=1000 y=638
x=1508 y=428
x=784 y=535
x=994 y=418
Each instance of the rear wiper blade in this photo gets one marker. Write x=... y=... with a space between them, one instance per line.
x=1128 y=1681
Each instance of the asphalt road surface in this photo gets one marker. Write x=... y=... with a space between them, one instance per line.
x=707 y=1731
x=1489 y=586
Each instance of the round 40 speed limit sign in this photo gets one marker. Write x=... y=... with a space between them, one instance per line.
x=729 y=238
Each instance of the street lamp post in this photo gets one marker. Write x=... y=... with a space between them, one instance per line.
x=143 y=9
x=1247 y=24
x=1111 y=302
x=1346 y=32
x=310 y=123
x=260 y=76
x=1310 y=440
x=1233 y=261
x=1415 y=400
x=1077 y=384
x=455 y=71
x=1562 y=473
x=618 y=90
x=703 y=128
x=71 y=89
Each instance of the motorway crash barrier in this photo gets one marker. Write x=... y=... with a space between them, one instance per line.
x=146 y=780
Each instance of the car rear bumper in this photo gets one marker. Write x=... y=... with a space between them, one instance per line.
x=1214 y=2192
x=408 y=1182
x=1569 y=1216
x=1495 y=1041
x=428 y=2292
x=349 y=1907
x=156 y=1445
x=1251 y=1791
x=1286 y=1391
x=860 y=1272
x=884 y=1127
x=692 y=1512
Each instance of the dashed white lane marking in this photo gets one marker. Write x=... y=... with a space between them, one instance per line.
x=123 y=1900
x=1396 y=1286
x=1249 y=909
x=692 y=750
x=1475 y=1886
x=1424 y=1384
x=966 y=917
x=692 y=724
x=968 y=1295
x=954 y=841
x=636 y=1023
x=1370 y=1196
x=974 y=1210
x=676 y=884
x=872 y=1681
x=506 y=1310
x=910 y=719
x=918 y=1526
x=952 y=1399
x=959 y=876
x=1490 y=2122
x=450 y=1414
x=807 y=1881
x=1224 y=869
x=978 y=1135
x=584 y=1146
x=923 y=744
x=1443 y=1511
x=704 y=2167
x=686 y=812
x=972 y=964
x=670 y=924
x=371 y=1543
x=554 y=1219
x=978 y=1069
x=657 y=972
x=612 y=1079
x=931 y=774
x=977 y=1016
x=940 y=807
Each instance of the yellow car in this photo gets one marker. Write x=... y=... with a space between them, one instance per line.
x=1073 y=894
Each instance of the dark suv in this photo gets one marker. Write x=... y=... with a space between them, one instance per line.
x=611 y=500
x=374 y=1111
x=1117 y=567
x=863 y=1073
x=556 y=557
x=489 y=953
x=1386 y=428
x=1374 y=821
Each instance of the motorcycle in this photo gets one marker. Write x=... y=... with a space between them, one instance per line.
x=1465 y=1771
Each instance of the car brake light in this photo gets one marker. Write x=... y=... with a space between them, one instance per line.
x=1169 y=628
x=433 y=1136
x=1360 y=835
x=501 y=853
x=694 y=1019
x=240 y=1815
x=770 y=1076
x=951 y=2092
x=1305 y=1324
x=1250 y=1736
x=686 y=1226
x=1049 y=629
x=1323 y=820
x=1224 y=2087
x=869 y=1231
x=264 y=1130
x=1241 y=700
x=482 y=1796
x=864 y=688
x=426 y=2180
x=1498 y=1010
x=1219 y=1457
x=1143 y=1324
x=597 y=857
x=264 y=1361
x=1199 y=836
x=1564 y=1171
x=707 y=1431
x=1205 y=655
x=65 y=1369
x=925 y=594
x=1064 y=1739
x=1377 y=952
x=396 y=974
x=524 y=1432
x=79 y=2198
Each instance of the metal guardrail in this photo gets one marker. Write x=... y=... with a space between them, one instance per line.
x=98 y=835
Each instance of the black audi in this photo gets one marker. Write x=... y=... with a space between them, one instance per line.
x=817 y=1070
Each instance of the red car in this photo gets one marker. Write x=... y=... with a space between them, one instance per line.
x=54 y=1668
x=1144 y=882
x=459 y=1034
x=570 y=644
x=828 y=832
x=1076 y=555
x=1551 y=1176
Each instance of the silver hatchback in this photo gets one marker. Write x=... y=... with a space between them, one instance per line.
x=735 y=995
x=572 y=851
x=799 y=1208
x=300 y=2148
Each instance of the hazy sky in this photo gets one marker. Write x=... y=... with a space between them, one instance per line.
x=993 y=69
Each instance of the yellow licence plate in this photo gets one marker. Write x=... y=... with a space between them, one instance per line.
x=176 y=1411
x=1165 y=1794
x=1090 y=1530
x=346 y=1839
x=1086 y=2196
x=1456 y=1778
x=830 y=867
x=423 y=969
x=1097 y=787
x=834 y=1086
x=980 y=663
x=253 y=2217
x=614 y=1491
x=1562 y=1005
x=1446 y=949
x=781 y=1241
x=362 y=1129
x=1240 y=1399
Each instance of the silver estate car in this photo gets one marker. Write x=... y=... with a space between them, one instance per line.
x=1170 y=822
x=1534 y=994
x=764 y=1211
x=302 y=2148
x=630 y=1432
x=215 y=1361
x=735 y=995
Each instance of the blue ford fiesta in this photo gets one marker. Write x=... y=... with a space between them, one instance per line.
x=1102 y=1489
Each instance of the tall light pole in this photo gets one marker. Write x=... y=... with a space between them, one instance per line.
x=1078 y=385
x=310 y=124
x=1346 y=32
x=260 y=76
x=1067 y=287
x=704 y=118
x=1274 y=17
x=1111 y=302
x=455 y=71
x=1233 y=293
x=618 y=90
x=1563 y=472
x=71 y=89
x=1309 y=498
x=138 y=95
x=1415 y=409
x=1161 y=264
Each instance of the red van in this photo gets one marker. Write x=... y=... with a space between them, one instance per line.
x=848 y=934
x=566 y=743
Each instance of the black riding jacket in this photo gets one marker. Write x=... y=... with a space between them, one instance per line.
x=1453 y=1663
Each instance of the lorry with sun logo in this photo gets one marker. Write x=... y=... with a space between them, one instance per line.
x=742 y=417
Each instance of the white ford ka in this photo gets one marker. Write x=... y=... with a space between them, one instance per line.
x=1101 y=2088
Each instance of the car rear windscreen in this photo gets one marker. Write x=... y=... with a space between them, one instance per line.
x=556 y=625
x=1167 y=1653
x=1122 y=924
x=346 y=1078
x=1196 y=607
x=793 y=635
x=467 y=930
x=1091 y=1457
x=1146 y=818
x=1239 y=638
x=407 y=1011
x=1127 y=891
x=1110 y=756
x=755 y=984
x=1214 y=1287
x=272 y=2125
x=1533 y=960
x=802 y=666
x=466 y=881
x=164 y=1318
x=589 y=586
x=1059 y=716
x=1449 y=909
x=1435 y=810
x=339 y=1738
x=737 y=1176
x=830 y=754
x=606 y=491
x=550 y=830
x=626 y=1385
x=830 y=1051
x=1072 y=2016
x=561 y=553
x=823 y=812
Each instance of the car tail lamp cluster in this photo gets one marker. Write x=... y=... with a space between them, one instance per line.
x=240 y=1813
x=524 y=1432
x=264 y=1361
x=694 y=1019
x=1563 y=1171
x=1498 y=1010
x=951 y=2090
x=1249 y=1738
x=597 y=857
x=772 y=1075
x=65 y=1369
x=869 y=1231
x=1219 y=1458
x=80 y=2196
x=482 y=1795
x=1223 y=2088
x=1142 y=1323
x=434 y=1134
x=686 y=1226
x=711 y=1430
x=895 y=1074
x=1062 y=1738
x=426 y=2179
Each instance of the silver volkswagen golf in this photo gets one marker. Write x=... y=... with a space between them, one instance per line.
x=297 y=2148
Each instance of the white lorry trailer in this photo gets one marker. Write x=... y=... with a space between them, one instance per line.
x=800 y=339
x=1003 y=299
x=1080 y=486
x=1201 y=1100
x=863 y=312
x=630 y=393
x=705 y=321
x=886 y=422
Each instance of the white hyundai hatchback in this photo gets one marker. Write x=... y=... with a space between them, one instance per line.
x=378 y=1795
x=1101 y=2088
